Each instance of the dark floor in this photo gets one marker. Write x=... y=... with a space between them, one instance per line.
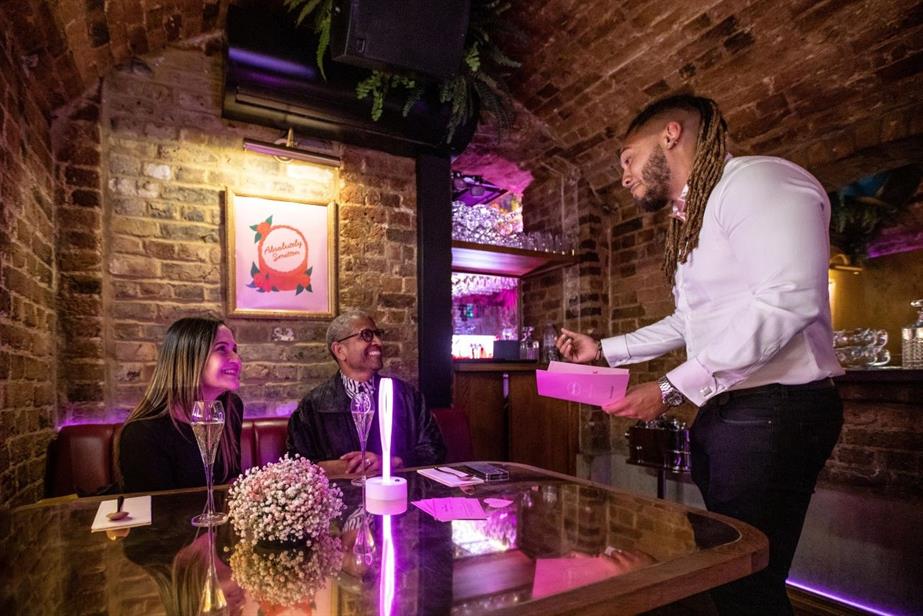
x=804 y=603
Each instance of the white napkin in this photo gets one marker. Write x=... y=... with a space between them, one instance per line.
x=139 y=514
x=447 y=478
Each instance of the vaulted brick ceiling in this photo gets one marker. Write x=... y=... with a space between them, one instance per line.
x=825 y=83
x=66 y=45
x=818 y=81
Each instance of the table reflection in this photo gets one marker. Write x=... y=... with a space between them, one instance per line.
x=546 y=537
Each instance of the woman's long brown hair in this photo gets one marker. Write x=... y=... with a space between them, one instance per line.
x=707 y=167
x=177 y=381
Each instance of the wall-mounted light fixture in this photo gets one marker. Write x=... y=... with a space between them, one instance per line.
x=841 y=263
x=286 y=150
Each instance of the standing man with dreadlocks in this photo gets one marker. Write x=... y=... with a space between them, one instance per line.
x=746 y=251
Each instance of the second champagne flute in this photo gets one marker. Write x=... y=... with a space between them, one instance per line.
x=362 y=412
x=207 y=422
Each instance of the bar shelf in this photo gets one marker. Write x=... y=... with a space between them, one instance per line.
x=473 y=258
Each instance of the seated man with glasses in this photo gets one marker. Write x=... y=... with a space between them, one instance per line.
x=322 y=427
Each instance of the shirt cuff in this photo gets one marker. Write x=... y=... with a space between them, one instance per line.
x=694 y=381
x=615 y=350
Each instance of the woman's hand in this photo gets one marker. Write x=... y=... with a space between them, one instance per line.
x=577 y=348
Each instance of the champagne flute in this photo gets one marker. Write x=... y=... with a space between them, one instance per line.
x=362 y=412
x=207 y=424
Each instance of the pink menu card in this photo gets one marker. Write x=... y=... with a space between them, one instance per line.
x=580 y=383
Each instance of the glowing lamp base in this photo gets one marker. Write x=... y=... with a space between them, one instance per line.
x=385 y=496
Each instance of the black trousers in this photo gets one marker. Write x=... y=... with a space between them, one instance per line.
x=756 y=454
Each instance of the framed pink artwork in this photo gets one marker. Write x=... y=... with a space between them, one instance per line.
x=281 y=257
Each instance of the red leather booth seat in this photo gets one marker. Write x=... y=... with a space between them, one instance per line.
x=453 y=423
x=80 y=457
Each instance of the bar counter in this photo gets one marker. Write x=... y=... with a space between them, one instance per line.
x=510 y=421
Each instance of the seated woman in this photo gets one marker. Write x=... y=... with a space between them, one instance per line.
x=157 y=449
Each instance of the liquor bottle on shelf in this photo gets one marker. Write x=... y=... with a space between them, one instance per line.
x=528 y=346
x=912 y=340
x=549 y=350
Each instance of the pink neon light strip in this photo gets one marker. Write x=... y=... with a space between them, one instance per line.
x=840 y=599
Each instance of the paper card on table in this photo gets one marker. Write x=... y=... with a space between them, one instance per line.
x=449 y=479
x=139 y=514
x=497 y=503
x=452 y=508
x=584 y=384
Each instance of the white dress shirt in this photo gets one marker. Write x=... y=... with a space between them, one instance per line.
x=752 y=303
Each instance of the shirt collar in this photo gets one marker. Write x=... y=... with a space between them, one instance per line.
x=678 y=207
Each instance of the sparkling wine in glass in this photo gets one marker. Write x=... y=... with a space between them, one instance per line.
x=362 y=412
x=207 y=422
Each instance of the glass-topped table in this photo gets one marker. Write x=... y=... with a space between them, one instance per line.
x=550 y=544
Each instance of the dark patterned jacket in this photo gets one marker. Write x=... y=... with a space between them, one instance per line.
x=322 y=428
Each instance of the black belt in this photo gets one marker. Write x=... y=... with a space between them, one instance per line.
x=822 y=384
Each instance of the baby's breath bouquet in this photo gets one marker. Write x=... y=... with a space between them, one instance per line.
x=287 y=502
x=286 y=577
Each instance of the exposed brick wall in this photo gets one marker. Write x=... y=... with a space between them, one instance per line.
x=544 y=210
x=80 y=239
x=166 y=157
x=575 y=296
x=27 y=283
x=72 y=43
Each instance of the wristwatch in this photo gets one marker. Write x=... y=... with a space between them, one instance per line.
x=669 y=395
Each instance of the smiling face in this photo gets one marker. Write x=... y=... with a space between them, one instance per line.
x=645 y=172
x=222 y=368
x=357 y=358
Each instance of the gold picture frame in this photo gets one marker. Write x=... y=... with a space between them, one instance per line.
x=282 y=257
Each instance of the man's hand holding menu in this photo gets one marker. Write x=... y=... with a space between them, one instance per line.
x=579 y=383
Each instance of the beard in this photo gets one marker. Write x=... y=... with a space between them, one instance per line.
x=656 y=178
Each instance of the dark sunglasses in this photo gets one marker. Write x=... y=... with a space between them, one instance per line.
x=366 y=335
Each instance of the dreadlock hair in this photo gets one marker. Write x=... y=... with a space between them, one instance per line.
x=707 y=167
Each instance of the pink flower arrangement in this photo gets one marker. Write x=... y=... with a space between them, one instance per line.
x=284 y=502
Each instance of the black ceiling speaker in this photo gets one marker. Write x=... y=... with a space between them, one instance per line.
x=426 y=36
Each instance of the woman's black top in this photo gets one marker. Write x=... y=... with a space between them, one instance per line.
x=153 y=455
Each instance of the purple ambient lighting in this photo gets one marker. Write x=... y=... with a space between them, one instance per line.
x=110 y=417
x=386 y=583
x=840 y=599
x=270 y=63
x=119 y=417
